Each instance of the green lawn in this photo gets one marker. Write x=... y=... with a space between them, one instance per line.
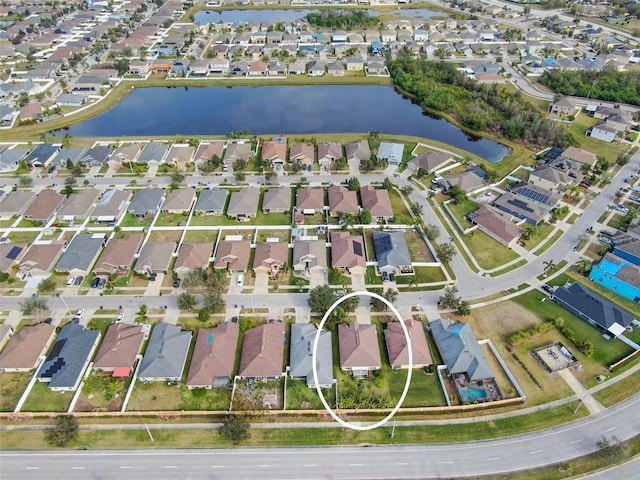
x=260 y=219
x=23 y=237
x=102 y=393
x=201 y=236
x=541 y=233
x=12 y=385
x=171 y=219
x=154 y=396
x=461 y=210
x=424 y=389
x=371 y=277
x=556 y=236
x=401 y=214
x=205 y=399
x=42 y=399
x=578 y=128
x=488 y=253
x=26 y=223
x=422 y=275
x=301 y=397
x=130 y=220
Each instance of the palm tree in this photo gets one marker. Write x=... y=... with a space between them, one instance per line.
x=142 y=313
x=584 y=266
x=548 y=266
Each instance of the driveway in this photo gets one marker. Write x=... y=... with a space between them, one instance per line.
x=354 y=167
x=358 y=282
x=154 y=287
x=261 y=286
x=317 y=278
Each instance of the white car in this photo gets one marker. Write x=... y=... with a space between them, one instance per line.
x=80 y=313
x=71 y=281
x=120 y=317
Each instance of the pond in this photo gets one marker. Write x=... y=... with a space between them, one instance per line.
x=288 y=15
x=278 y=110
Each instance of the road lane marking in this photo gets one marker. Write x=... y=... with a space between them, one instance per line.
x=574 y=442
x=609 y=429
x=33 y=468
x=170 y=466
x=493 y=458
x=310 y=465
x=402 y=463
x=78 y=468
x=125 y=466
x=534 y=451
x=355 y=464
x=217 y=466
x=264 y=466
x=450 y=461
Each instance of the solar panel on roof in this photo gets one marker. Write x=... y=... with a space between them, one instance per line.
x=357 y=248
x=521 y=205
x=13 y=254
x=533 y=195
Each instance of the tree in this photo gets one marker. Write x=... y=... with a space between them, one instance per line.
x=548 y=266
x=492 y=176
x=464 y=308
x=417 y=209
x=322 y=297
x=347 y=219
x=122 y=66
x=141 y=314
x=203 y=315
x=66 y=139
x=390 y=295
x=235 y=428
x=76 y=170
x=64 y=431
x=186 y=301
x=353 y=184
x=24 y=180
x=584 y=266
x=457 y=194
x=47 y=285
x=214 y=303
x=240 y=165
x=449 y=298
x=387 y=184
x=364 y=217
x=33 y=306
x=406 y=190
x=177 y=178
x=432 y=232
x=69 y=182
x=446 y=252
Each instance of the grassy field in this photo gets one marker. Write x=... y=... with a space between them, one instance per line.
x=130 y=220
x=102 y=393
x=41 y=399
x=171 y=219
x=23 y=237
x=488 y=253
x=301 y=397
x=12 y=385
x=400 y=213
x=462 y=209
x=541 y=233
x=202 y=236
x=422 y=275
x=161 y=396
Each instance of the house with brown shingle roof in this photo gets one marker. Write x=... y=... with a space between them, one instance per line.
x=342 y=200
x=329 y=152
x=238 y=151
x=429 y=161
x=377 y=201
x=179 y=201
x=243 y=204
x=310 y=199
x=275 y=151
x=233 y=255
x=580 y=155
x=550 y=178
x=78 y=205
x=270 y=257
x=467 y=181
x=180 y=155
x=127 y=152
x=358 y=151
x=118 y=255
x=277 y=200
x=303 y=153
x=24 y=349
x=209 y=149
x=44 y=207
x=40 y=259
x=397 y=346
x=348 y=252
x=213 y=357
x=155 y=257
x=191 y=257
x=119 y=349
x=15 y=203
x=358 y=346
x=497 y=225
x=263 y=352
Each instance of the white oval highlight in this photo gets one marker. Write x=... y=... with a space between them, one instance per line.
x=315 y=366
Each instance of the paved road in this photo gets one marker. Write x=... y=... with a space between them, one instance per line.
x=412 y=461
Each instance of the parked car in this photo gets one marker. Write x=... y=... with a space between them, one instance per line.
x=240 y=280
x=95 y=282
x=78 y=280
x=120 y=317
x=176 y=283
x=102 y=282
x=70 y=281
x=153 y=276
x=607 y=232
x=547 y=288
x=385 y=277
x=234 y=319
x=48 y=320
x=80 y=313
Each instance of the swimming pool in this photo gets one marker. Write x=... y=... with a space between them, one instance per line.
x=470 y=394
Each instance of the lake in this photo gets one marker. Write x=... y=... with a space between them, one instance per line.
x=288 y=15
x=278 y=110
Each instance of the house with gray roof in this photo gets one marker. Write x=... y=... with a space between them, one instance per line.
x=213 y=357
x=10 y=158
x=166 y=354
x=277 y=200
x=300 y=355
x=69 y=357
x=96 y=156
x=111 y=206
x=429 y=161
x=15 y=203
x=153 y=152
x=392 y=252
x=146 y=203
x=391 y=152
x=243 y=204
x=78 y=205
x=237 y=151
x=155 y=257
x=460 y=349
x=358 y=151
x=309 y=255
x=211 y=201
x=66 y=154
x=593 y=308
x=81 y=253
x=179 y=200
x=42 y=153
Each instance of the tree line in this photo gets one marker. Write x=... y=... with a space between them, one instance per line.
x=342 y=19
x=483 y=108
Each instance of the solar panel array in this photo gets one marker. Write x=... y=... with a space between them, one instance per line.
x=357 y=248
x=534 y=195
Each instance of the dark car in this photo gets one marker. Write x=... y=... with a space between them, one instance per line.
x=95 y=282
x=48 y=320
x=78 y=281
x=152 y=277
x=102 y=282
x=392 y=277
x=547 y=288
x=234 y=319
x=176 y=283
x=385 y=277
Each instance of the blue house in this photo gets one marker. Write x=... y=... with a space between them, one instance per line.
x=626 y=245
x=618 y=275
x=180 y=67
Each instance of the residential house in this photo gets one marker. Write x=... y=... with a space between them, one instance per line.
x=180 y=155
x=218 y=66
x=358 y=347
x=460 y=350
x=118 y=255
x=155 y=257
x=563 y=106
x=192 y=256
x=111 y=206
x=429 y=161
x=310 y=200
x=593 y=309
x=15 y=203
x=233 y=255
x=237 y=151
x=125 y=153
x=376 y=201
x=397 y=345
x=41 y=154
x=316 y=68
x=69 y=357
x=277 y=200
x=211 y=201
x=81 y=253
x=166 y=354
x=467 y=181
x=354 y=64
x=277 y=68
x=263 y=352
x=348 y=252
x=96 y=156
x=24 y=349
x=243 y=204
x=258 y=68
x=550 y=178
x=309 y=255
x=497 y=225
x=120 y=347
x=298 y=67
x=10 y=158
x=618 y=275
x=275 y=151
x=603 y=132
x=66 y=155
x=303 y=153
x=270 y=257
x=376 y=68
x=627 y=244
x=40 y=259
x=390 y=152
x=301 y=355
x=11 y=253
x=153 y=153
x=584 y=157
x=180 y=67
x=207 y=150
x=213 y=357
x=146 y=203
x=522 y=208
x=336 y=68
x=342 y=200
x=78 y=205
x=45 y=206
x=357 y=151
x=179 y=201
x=329 y=152
x=392 y=252
x=31 y=111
